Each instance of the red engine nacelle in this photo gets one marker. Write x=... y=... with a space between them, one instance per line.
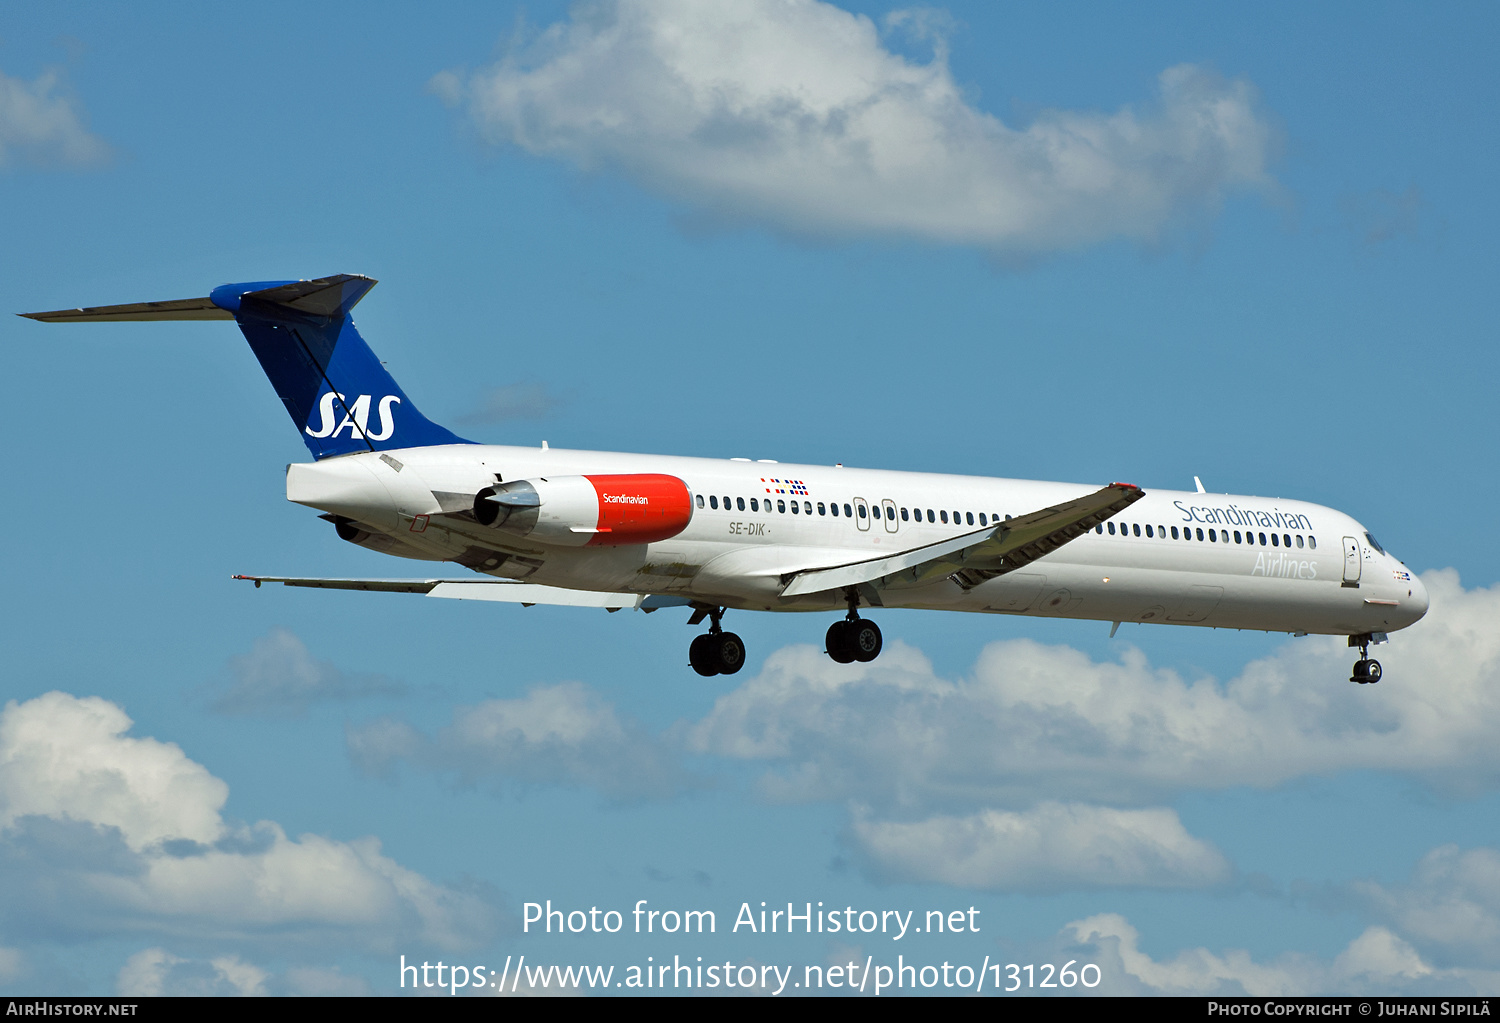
x=576 y=511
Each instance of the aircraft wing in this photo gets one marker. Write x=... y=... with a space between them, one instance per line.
x=983 y=554
x=486 y=589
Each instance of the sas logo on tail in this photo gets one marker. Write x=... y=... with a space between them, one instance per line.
x=356 y=419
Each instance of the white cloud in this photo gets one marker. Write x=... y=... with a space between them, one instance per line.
x=1376 y=962
x=37 y=126
x=560 y=735
x=1045 y=770
x=67 y=758
x=794 y=114
x=279 y=677
x=1450 y=908
x=311 y=982
x=1050 y=847
x=12 y=964
x=1038 y=722
x=101 y=834
x=155 y=972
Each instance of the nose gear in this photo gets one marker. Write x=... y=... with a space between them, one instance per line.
x=1366 y=670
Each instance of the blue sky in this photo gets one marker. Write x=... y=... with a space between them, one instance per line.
x=1059 y=242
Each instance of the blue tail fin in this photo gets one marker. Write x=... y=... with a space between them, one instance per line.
x=336 y=391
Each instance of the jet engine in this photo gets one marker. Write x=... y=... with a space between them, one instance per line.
x=578 y=511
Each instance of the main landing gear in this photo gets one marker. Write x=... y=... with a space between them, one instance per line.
x=716 y=652
x=854 y=638
x=1366 y=669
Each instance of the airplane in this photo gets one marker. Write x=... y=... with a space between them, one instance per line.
x=612 y=530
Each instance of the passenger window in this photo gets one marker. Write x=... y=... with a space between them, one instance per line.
x=944 y=516
x=700 y=500
x=1111 y=529
x=1148 y=533
x=822 y=508
x=982 y=522
x=848 y=512
x=713 y=502
x=807 y=507
x=795 y=509
x=1299 y=540
x=740 y=503
x=1237 y=536
x=753 y=505
x=1312 y=542
x=904 y=516
x=957 y=518
x=930 y=516
x=1200 y=534
x=1174 y=533
x=861 y=511
x=1213 y=536
x=1136 y=529
x=1099 y=529
x=1286 y=540
x=969 y=517
x=1262 y=539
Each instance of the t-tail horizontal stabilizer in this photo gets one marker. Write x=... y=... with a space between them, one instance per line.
x=504 y=590
x=336 y=391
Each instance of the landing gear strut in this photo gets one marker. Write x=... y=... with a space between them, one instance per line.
x=716 y=652
x=854 y=638
x=1366 y=669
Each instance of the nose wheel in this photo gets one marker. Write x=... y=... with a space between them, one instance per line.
x=716 y=652
x=1366 y=669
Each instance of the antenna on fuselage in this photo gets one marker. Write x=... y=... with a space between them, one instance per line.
x=1199 y=484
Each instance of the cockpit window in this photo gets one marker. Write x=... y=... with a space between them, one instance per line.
x=1375 y=543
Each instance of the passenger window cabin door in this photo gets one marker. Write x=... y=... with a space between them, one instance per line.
x=1352 y=560
x=890 y=515
x=861 y=513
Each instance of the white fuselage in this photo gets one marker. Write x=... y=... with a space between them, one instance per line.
x=1174 y=556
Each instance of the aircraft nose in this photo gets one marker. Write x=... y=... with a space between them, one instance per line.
x=1417 y=603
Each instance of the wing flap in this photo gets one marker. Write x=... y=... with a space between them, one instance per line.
x=971 y=558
